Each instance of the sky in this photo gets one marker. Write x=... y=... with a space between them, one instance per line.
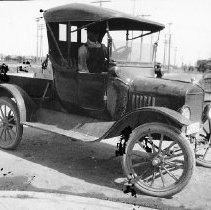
x=190 y=28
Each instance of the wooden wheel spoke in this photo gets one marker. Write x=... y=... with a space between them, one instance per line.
x=147 y=179
x=153 y=178
x=174 y=155
x=5 y=134
x=2 y=133
x=10 y=124
x=8 y=132
x=5 y=110
x=140 y=164
x=144 y=172
x=174 y=167
x=171 y=145
x=151 y=142
x=9 y=113
x=172 y=163
x=1 y=118
x=160 y=143
x=12 y=131
x=2 y=112
x=170 y=173
x=155 y=147
x=146 y=155
x=11 y=119
x=162 y=177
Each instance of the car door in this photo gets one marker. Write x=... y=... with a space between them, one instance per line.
x=92 y=90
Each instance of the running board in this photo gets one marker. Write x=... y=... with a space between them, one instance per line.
x=70 y=125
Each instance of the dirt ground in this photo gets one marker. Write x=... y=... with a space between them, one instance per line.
x=49 y=162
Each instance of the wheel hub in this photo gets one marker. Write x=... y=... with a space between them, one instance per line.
x=156 y=161
x=5 y=122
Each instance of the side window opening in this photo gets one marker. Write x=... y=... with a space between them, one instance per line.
x=74 y=34
x=75 y=43
x=63 y=32
x=83 y=35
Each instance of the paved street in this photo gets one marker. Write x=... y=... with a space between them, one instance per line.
x=46 y=162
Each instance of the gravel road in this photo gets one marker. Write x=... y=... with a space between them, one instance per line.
x=49 y=162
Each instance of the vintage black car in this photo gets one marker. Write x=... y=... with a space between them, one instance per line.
x=154 y=118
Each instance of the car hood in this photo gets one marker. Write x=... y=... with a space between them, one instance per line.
x=183 y=77
x=160 y=86
x=149 y=84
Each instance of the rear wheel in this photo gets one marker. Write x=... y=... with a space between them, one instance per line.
x=10 y=128
x=158 y=160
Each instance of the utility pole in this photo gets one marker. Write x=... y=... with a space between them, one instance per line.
x=133 y=13
x=41 y=40
x=38 y=28
x=182 y=64
x=164 y=53
x=100 y=2
x=141 y=46
x=169 y=57
x=175 y=56
x=151 y=47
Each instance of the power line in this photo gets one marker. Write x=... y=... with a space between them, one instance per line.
x=100 y=2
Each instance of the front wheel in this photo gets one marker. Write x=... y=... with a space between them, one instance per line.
x=158 y=160
x=202 y=146
x=10 y=128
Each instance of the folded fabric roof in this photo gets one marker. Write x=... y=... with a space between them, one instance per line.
x=84 y=14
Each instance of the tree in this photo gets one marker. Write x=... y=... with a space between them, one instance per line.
x=8 y=58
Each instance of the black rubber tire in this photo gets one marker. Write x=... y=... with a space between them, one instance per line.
x=17 y=135
x=199 y=161
x=174 y=134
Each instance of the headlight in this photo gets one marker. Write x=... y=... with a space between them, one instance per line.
x=206 y=113
x=185 y=111
x=209 y=114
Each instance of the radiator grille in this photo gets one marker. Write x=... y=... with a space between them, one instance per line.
x=195 y=102
x=139 y=101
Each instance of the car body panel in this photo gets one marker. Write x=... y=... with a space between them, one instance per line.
x=91 y=129
x=128 y=95
x=25 y=104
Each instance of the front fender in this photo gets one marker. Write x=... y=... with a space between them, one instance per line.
x=25 y=104
x=147 y=115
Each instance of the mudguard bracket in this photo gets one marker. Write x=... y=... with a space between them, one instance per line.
x=124 y=137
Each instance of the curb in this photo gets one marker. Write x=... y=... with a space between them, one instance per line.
x=27 y=200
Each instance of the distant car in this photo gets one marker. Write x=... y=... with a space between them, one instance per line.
x=153 y=117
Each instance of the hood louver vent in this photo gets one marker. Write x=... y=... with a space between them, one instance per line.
x=139 y=101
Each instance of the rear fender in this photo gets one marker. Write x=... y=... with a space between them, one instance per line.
x=147 y=115
x=25 y=104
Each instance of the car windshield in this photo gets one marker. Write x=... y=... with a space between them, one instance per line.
x=136 y=50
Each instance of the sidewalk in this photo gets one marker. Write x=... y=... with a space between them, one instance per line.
x=23 y=200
